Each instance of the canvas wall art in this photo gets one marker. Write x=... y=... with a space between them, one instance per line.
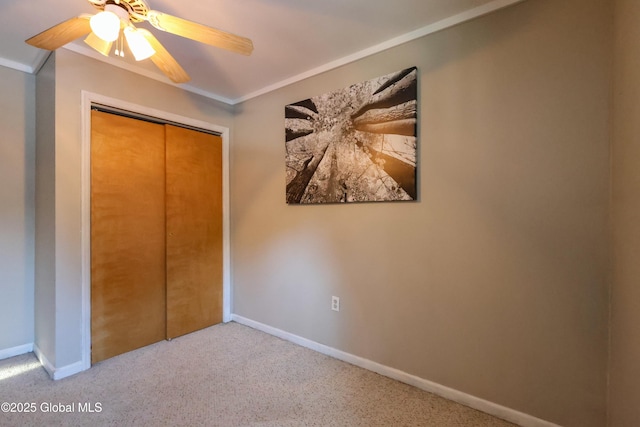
x=357 y=144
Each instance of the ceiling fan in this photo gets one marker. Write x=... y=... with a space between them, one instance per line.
x=114 y=23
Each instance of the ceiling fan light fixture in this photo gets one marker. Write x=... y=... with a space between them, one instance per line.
x=105 y=25
x=103 y=30
x=138 y=44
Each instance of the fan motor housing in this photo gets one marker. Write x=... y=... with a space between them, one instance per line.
x=137 y=9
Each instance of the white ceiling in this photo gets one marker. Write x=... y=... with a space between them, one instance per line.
x=292 y=39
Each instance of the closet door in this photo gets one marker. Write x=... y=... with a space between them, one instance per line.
x=194 y=230
x=128 y=309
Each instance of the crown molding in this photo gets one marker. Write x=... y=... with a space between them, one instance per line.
x=16 y=65
x=397 y=41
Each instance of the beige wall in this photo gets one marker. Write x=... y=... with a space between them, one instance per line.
x=45 y=271
x=495 y=282
x=625 y=307
x=73 y=74
x=17 y=157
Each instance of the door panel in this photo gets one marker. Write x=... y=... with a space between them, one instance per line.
x=194 y=230
x=128 y=296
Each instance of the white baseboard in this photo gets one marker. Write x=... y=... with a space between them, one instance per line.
x=67 y=371
x=16 y=351
x=44 y=361
x=508 y=414
x=58 y=373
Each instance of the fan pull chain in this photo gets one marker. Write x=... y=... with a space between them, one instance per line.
x=120 y=46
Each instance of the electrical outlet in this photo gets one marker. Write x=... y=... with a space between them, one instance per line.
x=335 y=303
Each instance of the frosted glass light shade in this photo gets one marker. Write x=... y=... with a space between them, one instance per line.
x=105 y=25
x=138 y=44
x=98 y=44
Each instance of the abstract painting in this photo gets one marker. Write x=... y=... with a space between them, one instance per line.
x=357 y=144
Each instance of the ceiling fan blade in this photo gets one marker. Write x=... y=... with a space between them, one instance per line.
x=199 y=32
x=61 y=34
x=163 y=60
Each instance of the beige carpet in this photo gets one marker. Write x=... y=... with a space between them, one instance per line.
x=226 y=375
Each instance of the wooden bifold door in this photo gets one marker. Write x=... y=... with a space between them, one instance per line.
x=156 y=232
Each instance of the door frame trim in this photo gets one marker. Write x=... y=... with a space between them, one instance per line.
x=90 y=98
